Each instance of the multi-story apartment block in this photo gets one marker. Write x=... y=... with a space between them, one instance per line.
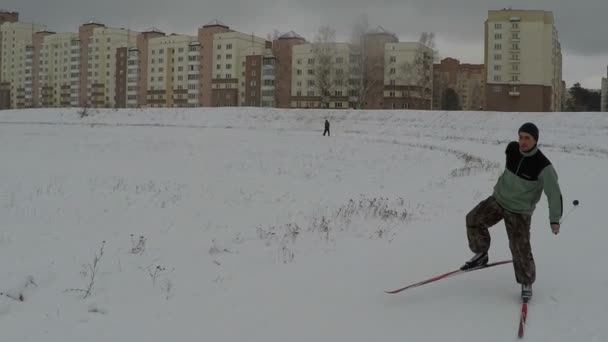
x=109 y=67
x=523 y=61
x=369 y=83
x=170 y=71
x=53 y=61
x=17 y=39
x=99 y=63
x=320 y=75
x=236 y=69
x=282 y=49
x=5 y=93
x=466 y=80
x=408 y=76
x=604 y=104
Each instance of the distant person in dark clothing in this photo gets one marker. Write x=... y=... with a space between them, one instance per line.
x=326 y=128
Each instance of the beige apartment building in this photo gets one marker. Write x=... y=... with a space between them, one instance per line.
x=466 y=80
x=17 y=40
x=408 y=76
x=5 y=92
x=523 y=61
x=107 y=67
x=306 y=87
x=53 y=64
x=237 y=69
x=172 y=76
x=99 y=63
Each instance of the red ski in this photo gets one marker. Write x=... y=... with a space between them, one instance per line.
x=522 y=320
x=447 y=275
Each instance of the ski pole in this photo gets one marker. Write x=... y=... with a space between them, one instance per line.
x=574 y=205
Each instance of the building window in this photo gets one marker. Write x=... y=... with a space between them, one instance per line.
x=393 y=59
x=515 y=78
x=515 y=46
x=498 y=57
x=497 y=26
x=311 y=71
x=515 y=67
x=497 y=78
x=497 y=36
x=393 y=71
x=515 y=25
x=497 y=46
x=496 y=68
x=228 y=66
x=228 y=46
x=515 y=35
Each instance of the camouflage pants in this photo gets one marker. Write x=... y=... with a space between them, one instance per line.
x=488 y=213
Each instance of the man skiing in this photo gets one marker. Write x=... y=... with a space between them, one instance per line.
x=527 y=174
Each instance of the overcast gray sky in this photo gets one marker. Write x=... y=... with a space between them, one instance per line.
x=582 y=24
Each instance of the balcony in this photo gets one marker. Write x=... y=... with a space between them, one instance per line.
x=514 y=91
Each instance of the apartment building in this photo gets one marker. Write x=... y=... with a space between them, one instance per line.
x=17 y=42
x=172 y=73
x=467 y=81
x=236 y=69
x=320 y=75
x=408 y=76
x=99 y=63
x=53 y=69
x=369 y=65
x=5 y=93
x=604 y=104
x=282 y=49
x=523 y=61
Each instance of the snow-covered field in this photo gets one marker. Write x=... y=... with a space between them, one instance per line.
x=248 y=225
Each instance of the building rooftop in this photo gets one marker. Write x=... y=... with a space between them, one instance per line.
x=291 y=35
x=216 y=22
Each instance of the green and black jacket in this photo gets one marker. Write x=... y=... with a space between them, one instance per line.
x=526 y=175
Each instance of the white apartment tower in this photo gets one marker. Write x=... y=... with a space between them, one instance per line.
x=523 y=61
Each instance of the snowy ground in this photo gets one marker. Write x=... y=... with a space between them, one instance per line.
x=254 y=227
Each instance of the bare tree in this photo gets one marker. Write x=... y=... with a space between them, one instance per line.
x=417 y=74
x=327 y=75
x=359 y=86
x=274 y=35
